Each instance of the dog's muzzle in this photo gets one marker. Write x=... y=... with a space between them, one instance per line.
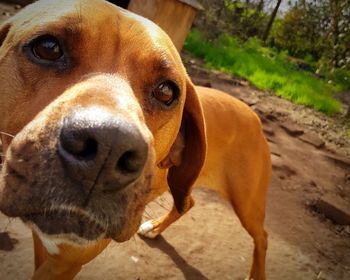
x=87 y=176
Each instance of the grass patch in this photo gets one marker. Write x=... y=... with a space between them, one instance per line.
x=340 y=78
x=265 y=69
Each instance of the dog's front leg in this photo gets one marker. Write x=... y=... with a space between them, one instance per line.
x=155 y=227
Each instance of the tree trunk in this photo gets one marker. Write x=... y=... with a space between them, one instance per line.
x=260 y=5
x=272 y=18
x=336 y=18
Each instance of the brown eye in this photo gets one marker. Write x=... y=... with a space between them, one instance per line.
x=166 y=93
x=47 y=48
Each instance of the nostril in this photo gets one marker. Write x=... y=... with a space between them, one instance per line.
x=130 y=162
x=79 y=147
x=87 y=149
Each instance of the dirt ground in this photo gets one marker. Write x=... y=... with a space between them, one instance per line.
x=209 y=242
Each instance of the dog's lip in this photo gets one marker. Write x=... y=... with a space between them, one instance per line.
x=62 y=221
x=13 y=170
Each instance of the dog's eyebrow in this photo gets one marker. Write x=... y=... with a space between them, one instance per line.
x=66 y=26
x=72 y=26
x=165 y=67
x=161 y=65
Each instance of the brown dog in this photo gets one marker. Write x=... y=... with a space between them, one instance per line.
x=105 y=119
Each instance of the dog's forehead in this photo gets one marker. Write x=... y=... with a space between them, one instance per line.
x=99 y=22
x=88 y=16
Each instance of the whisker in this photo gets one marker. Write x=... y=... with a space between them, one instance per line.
x=148 y=216
x=7 y=134
x=8 y=224
x=161 y=205
x=165 y=199
x=149 y=207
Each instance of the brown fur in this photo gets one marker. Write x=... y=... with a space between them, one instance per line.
x=208 y=138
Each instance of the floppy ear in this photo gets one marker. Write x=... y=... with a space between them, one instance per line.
x=4 y=30
x=192 y=134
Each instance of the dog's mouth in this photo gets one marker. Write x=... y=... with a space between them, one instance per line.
x=108 y=215
x=69 y=221
x=55 y=207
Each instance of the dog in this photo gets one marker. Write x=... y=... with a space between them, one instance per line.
x=98 y=118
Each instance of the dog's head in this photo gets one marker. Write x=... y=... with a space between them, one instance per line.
x=95 y=98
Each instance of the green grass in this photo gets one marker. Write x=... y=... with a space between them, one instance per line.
x=265 y=69
x=340 y=78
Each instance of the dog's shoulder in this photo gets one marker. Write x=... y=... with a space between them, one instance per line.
x=225 y=104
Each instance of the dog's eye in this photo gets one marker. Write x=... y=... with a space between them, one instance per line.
x=47 y=48
x=166 y=93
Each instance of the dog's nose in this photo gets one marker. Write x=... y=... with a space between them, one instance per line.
x=100 y=149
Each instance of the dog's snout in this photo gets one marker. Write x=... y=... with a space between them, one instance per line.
x=83 y=147
x=99 y=148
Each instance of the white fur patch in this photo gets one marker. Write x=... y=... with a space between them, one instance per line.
x=50 y=245
x=51 y=242
x=145 y=228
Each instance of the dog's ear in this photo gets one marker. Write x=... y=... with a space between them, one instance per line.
x=188 y=152
x=4 y=30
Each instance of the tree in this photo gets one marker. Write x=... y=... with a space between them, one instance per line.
x=260 y=6
x=272 y=18
x=319 y=28
x=241 y=18
x=339 y=34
